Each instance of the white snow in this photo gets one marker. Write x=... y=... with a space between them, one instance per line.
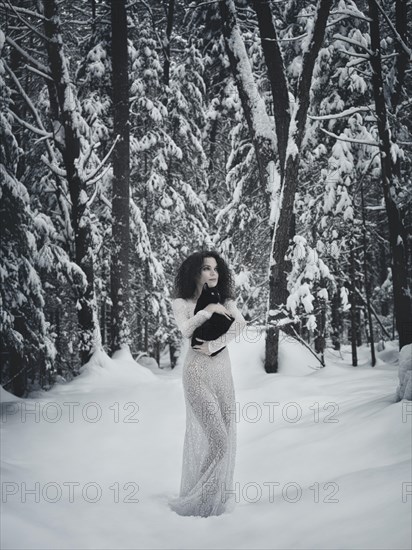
x=404 y=389
x=323 y=456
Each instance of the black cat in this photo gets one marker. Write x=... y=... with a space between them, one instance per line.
x=214 y=327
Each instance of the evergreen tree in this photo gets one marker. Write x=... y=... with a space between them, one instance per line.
x=28 y=350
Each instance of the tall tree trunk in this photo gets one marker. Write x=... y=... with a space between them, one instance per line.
x=352 y=299
x=397 y=233
x=280 y=237
x=358 y=318
x=121 y=171
x=19 y=365
x=336 y=322
x=70 y=149
x=383 y=273
x=103 y=321
x=260 y=128
x=366 y=277
x=320 y=341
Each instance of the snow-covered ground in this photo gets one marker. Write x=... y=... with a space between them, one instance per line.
x=323 y=457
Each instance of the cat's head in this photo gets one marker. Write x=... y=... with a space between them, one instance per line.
x=211 y=292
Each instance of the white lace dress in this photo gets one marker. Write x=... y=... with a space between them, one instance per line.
x=209 y=449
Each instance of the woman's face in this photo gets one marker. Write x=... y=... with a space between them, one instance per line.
x=209 y=273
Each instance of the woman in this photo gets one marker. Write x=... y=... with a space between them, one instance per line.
x=210 y=440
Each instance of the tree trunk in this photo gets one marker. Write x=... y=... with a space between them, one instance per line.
x=277 y=77
x=352 y=299
x=173 y=356
x=280 y=238
x=19 y=365
x=336 y=322
x=282 y=191
x=358 y=319
x=254 y=109
x=103 y=322
x=320 y=306
x=383 y=274
x=146 y=307
x=121 y=171
x=366 y=278
x=87 y=317
x=397 y=233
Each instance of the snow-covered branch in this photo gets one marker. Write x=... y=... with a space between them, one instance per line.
x=53 y=167
x=352 y=42
x=25 y=11
x=38 y=131
x=350 y=13
x=351 y=140
x=105 y=200
x=291 y=39
x=29 y=58
x=86 y=157
x=94 y=173
x=304 y=343
x=99 y=176
x=353 y=63
x=94 y=195
x=347 y=112
x=395 y=32
x=27 y=100
x=36 y=71
x=362 y=56
x=61 y=191
x=304 y=35
x=27 y=24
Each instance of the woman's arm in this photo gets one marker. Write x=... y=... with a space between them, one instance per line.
x=186 y=324
x=235 y=329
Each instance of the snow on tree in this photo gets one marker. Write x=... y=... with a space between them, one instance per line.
x=28 y=350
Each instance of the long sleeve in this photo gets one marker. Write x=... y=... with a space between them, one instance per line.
x=235 y=329
x=186 y=324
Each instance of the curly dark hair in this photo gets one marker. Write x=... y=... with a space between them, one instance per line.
x=190 y=269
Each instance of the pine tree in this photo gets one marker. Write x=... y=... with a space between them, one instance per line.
x=28 y=350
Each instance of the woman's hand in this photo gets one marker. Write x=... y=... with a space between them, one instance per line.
x=204 y=348
x=218 y=308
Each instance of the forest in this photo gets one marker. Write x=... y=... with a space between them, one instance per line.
x=277 y=132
